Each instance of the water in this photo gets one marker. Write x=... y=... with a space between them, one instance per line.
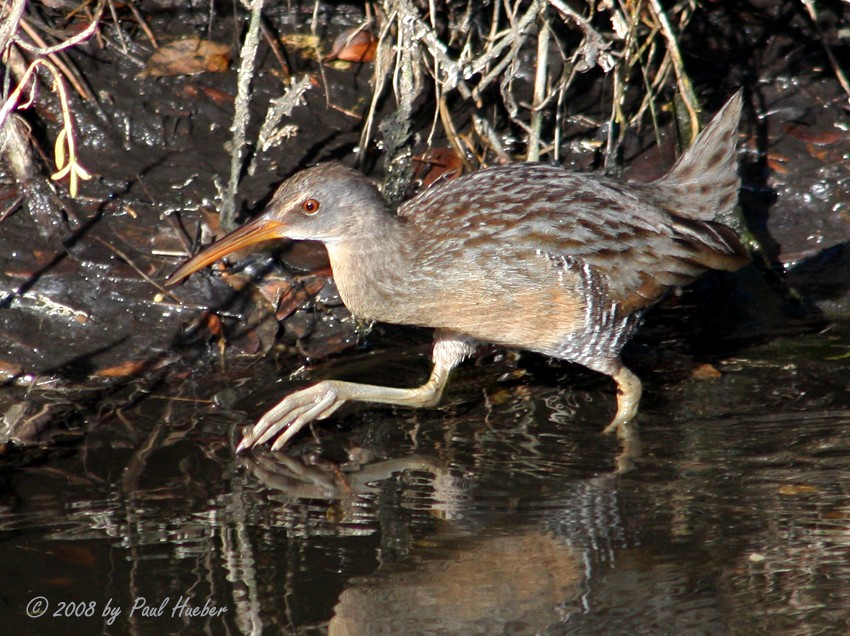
x=500 y=513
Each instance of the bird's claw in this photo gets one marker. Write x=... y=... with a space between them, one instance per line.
x=292 y=414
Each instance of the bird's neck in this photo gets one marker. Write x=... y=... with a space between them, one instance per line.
x=370 y=271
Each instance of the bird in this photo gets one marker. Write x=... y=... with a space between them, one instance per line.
x=524 y=255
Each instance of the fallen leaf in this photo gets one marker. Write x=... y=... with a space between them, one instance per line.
x=811 y=136
x=123 y=369
x=797 y=489
x=188 y=57
x=777 y=163
x=353 y=45
x=247 y=341
x=308 y=257
x=296 y=296
x=706 y=372
x=213 y=324
x=75 y=555
x=213 y=94
x=304 y=44
x=437 y=164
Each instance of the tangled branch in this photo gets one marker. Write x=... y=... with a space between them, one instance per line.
x=64 y=148
x=485 y=66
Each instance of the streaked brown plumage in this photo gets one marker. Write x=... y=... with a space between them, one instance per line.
x=523 y=255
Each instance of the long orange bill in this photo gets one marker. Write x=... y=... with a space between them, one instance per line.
x=257 y=231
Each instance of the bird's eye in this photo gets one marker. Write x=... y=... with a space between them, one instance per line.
x=310 y=206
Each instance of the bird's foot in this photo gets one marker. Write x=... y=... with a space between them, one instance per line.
x=292 y=414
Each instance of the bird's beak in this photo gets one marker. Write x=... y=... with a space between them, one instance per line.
x=257 y=231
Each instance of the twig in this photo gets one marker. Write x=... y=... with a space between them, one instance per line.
x=836 y=67
x=540 y=77
x=242 y=113
x=8 y=211
x=83 y=35
x=76 y=82
x=274 y=45
x=143 y=23
x=383 y=55
x=682 y=79
x=65 y=144
x=9 y=22
x=117 y=25
x=397 y=129
x=138 y=270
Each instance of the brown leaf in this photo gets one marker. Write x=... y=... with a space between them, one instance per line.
x=353 y=45
x=123 y=369
x=810 y=136
x=213 y=324
x=776 y=162
x=215 y=95
x=706 y=372
x=75 y=555
x=437 y=164
x=248 y=341
x=273 y=288
x=9 y=370
x=188 y=57
x=296 y=296
x=797 y=489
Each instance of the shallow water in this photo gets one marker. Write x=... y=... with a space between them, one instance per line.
x=499 y=513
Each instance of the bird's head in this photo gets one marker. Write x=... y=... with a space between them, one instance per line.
x=329 y=203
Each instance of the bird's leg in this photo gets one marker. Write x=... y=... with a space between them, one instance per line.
x=629 y=390
x=320 y=400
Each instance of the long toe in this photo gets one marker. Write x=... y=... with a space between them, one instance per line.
x=292 y=414
x=294 y=421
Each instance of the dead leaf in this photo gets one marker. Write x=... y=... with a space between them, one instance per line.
x=188 y=57
x=215 y=95
x=303 y=44
x=307 y=257
x=213 y=324
x=706 y=372
x=437 y=164
x=248 y=341
x=797 y=489
x=353 y=45
x=811 y=136
x=289 y=299
x=123 y=369
x=75 y=555
x=776 y=162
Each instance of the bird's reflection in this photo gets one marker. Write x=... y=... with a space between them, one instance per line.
x=315 y=478
x=630 y=447
x=476 y=584
x=477 y=570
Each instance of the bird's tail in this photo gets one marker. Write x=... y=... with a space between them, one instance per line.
x=704 y=182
